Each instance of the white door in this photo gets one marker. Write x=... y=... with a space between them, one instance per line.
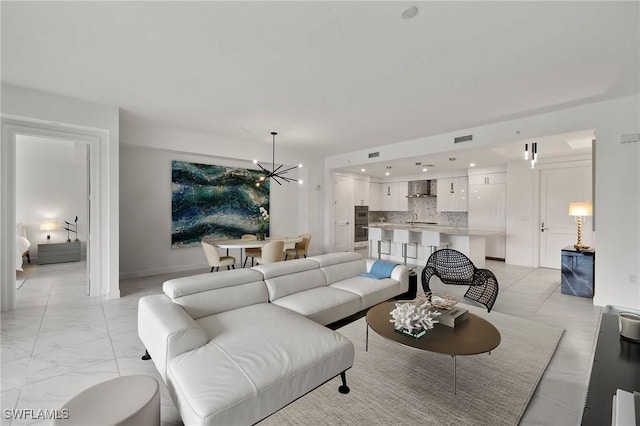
x=559 y=187
x=342 y=212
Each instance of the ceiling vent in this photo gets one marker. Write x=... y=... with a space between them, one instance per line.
x=460 y=139
x=374 y=154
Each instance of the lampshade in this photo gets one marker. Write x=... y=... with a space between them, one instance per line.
x=48 y=225
x=580 y=208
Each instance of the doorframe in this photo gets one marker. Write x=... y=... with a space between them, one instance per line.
x=97 y=245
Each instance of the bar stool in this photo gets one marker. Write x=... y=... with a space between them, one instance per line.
x=380 y=235
x=407 y=238
x=431 y=239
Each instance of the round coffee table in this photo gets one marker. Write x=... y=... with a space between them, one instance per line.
x=471 y=337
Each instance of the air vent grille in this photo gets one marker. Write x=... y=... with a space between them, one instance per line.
x=632 y=138
x=460 y=139
x=374 y=154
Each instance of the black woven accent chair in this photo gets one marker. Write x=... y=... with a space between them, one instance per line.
x=454 y=268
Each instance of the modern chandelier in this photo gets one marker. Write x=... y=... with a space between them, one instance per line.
x=276 y=173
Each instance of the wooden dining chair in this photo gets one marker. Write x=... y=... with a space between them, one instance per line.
x=215 y=260
x=271 y=252
x=252 y=253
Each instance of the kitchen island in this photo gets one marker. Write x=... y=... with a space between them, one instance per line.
x=415 y=241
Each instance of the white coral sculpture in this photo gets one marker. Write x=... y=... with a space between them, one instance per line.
x=410 y=317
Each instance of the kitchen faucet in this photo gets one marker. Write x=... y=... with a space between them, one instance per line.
x=414 y=218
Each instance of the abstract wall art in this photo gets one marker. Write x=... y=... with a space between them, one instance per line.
x=218 y=201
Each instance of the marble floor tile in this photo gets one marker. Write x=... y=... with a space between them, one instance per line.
x=60 y=341
x=546 y=412
x=69 y=359
x=9 y=400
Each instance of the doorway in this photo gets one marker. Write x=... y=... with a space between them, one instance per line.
x=101 y=240
x=52 y=187
x=557 y=230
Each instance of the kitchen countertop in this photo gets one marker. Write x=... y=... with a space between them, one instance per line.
x=447 y=230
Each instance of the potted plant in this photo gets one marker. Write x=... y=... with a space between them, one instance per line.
x=263 y=220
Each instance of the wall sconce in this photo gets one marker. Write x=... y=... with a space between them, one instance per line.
x=48 y=225
x=579 y=209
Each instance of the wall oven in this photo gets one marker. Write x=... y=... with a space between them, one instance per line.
x=361 y=220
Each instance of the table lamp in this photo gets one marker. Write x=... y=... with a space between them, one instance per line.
x=48 y=225
x=579 y=209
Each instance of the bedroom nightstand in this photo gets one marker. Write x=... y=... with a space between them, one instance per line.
x=58 y=252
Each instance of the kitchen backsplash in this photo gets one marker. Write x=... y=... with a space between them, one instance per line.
x=426 y=210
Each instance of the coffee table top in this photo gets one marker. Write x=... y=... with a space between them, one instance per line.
x=473 y=336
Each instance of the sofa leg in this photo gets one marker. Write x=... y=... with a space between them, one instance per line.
x=146 y=356
x=344 y=388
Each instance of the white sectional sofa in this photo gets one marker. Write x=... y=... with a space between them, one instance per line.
x=234 y=347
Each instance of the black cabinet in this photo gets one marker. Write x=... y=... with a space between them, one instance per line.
x=577 y=272
x=616 y=365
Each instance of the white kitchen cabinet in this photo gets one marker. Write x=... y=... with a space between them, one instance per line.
x=389 y=196
x=487 y=210
x=361 y=192
x=395 y=196
x=487 y=179
x=376 y=196
x=452 y=194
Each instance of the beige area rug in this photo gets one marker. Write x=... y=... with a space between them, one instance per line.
x=394 y=384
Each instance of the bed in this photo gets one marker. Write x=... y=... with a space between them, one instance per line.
x=22 y=245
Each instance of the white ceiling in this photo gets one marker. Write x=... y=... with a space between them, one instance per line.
x=555 y=146
x=330 y=77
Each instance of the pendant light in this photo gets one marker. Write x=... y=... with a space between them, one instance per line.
x=276 y=173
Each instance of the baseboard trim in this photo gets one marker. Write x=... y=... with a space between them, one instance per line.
x=497 y=259
x=166 y=270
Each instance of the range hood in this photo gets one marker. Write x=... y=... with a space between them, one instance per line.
x=420 y=189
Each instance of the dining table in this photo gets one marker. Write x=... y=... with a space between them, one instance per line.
x=242 y=244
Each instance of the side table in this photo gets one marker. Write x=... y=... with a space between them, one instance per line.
x=578 y=267
x=123 y=401
x=58 y=252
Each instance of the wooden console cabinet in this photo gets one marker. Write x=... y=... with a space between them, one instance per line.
x=58 y=252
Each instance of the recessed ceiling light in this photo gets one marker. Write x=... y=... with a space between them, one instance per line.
x=409 y=12
x=472 y=164
x=424 y=169
x=387 y=174
x=363 y=170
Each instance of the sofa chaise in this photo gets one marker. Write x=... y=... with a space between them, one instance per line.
x=234 y=347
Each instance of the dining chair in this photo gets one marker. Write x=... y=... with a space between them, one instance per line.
x=271 y=252
x=214 y=258
x=250 y=252
x=300 y=248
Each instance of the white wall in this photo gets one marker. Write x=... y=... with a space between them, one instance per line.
x=617 y=177
x=51 y=184
x=145 y=211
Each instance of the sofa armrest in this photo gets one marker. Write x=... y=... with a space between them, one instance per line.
x=401 y=274
x=167 y=330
